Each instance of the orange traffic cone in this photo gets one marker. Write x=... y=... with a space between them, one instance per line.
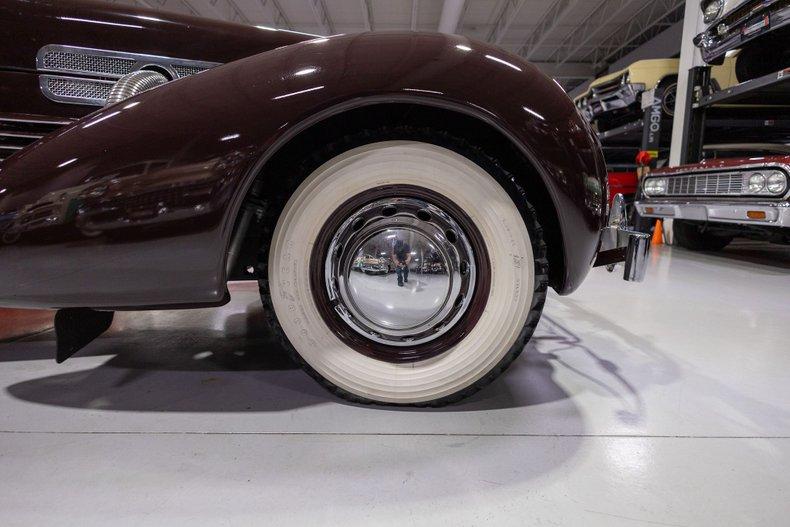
x=658 y=234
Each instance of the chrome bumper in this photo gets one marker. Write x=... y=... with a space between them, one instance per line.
x=623 y=97
x=620 y=243
x=768 y=214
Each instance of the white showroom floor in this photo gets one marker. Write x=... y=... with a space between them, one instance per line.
x=662 y=403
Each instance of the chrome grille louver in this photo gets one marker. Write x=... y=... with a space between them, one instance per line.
x=186 y=71
x=74 y=90
x=84 y=63
x=67 y=71
x=719 y=184
x=608 y=86
x=18 y=132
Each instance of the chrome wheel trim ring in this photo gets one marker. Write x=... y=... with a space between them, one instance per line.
x=443 y=272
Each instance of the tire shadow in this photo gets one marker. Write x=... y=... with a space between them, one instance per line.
x=243 y=368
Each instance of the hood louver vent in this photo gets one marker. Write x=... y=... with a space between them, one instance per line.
x=18 y=132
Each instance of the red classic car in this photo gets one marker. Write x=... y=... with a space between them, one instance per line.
x=713 y=201
x=151 y=158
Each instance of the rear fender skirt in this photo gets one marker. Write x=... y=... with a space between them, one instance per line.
x=134 y=205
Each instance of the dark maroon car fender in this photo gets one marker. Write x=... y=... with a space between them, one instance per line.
x=140 y=198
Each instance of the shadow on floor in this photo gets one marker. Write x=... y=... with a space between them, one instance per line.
x=244 y=368
x=747 y=254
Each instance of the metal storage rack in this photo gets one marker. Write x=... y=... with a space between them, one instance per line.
x=651 y=133
x=706 y=110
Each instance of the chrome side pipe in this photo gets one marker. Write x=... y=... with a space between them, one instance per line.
x=621 y=243
x=134 y=83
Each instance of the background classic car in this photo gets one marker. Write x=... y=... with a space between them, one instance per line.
x=616 y=98
x=760 y=28
x=716 y=200
x=280 y=167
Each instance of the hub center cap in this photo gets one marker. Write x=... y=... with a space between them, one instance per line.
x=400 y=271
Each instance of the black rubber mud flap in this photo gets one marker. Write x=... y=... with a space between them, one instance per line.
x=77 y=327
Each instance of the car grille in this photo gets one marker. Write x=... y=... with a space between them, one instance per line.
x=65 y=68
x=611 y=86
x=83 y=90
x=722 y=184
x=186 y=71
x=18 y=132
x=85 y=63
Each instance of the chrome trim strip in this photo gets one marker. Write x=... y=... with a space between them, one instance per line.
x=141 y=60
x=776 y=214
x=11 y=147
x=20 y=135
x=34 y=121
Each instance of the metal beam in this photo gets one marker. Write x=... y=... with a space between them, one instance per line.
x=568 y=70
x=665 y=44
x=278 y=15
x=452 y=11
x=592 y=25
x=415 y=11
x=322 y=16
x=690 y=57
x=547 y=24
x=237 y=13
x=189 y=8
x=645 y=24
x=203 y=8
x=367 y=15
x=503 y=21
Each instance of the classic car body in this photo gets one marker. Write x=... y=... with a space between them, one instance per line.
x=622 y=89
x=619 y=94
x=623 y=182
x=728 y=196
x=161 y=198
x=163 y=123
x=734 y=24
x=374 y=265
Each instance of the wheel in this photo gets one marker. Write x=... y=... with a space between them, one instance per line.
x=694 y=236
x=669 y=98
x=420 y=339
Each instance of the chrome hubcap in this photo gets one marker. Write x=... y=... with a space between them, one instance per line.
x=400 y=271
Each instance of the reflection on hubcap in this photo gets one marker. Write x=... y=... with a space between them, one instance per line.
x=400 y=271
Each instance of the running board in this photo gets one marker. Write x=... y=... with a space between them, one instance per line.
x=76 y=327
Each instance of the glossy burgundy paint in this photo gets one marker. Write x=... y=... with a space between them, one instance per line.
x=156 y=154
x=27 y=25
x=31 y=24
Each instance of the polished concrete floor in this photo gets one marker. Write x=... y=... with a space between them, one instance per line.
x=662 y=403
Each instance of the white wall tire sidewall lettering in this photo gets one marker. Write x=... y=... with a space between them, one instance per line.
x=437 y=169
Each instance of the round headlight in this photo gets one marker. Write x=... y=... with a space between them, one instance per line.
x=655 y=186
x=777 y=183
x=756 y=182
x=721 y=29
x=711 y=10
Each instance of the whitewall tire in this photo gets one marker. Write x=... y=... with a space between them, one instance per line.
x=514 y=291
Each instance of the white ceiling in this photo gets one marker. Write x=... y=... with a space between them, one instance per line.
x=571 y=40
